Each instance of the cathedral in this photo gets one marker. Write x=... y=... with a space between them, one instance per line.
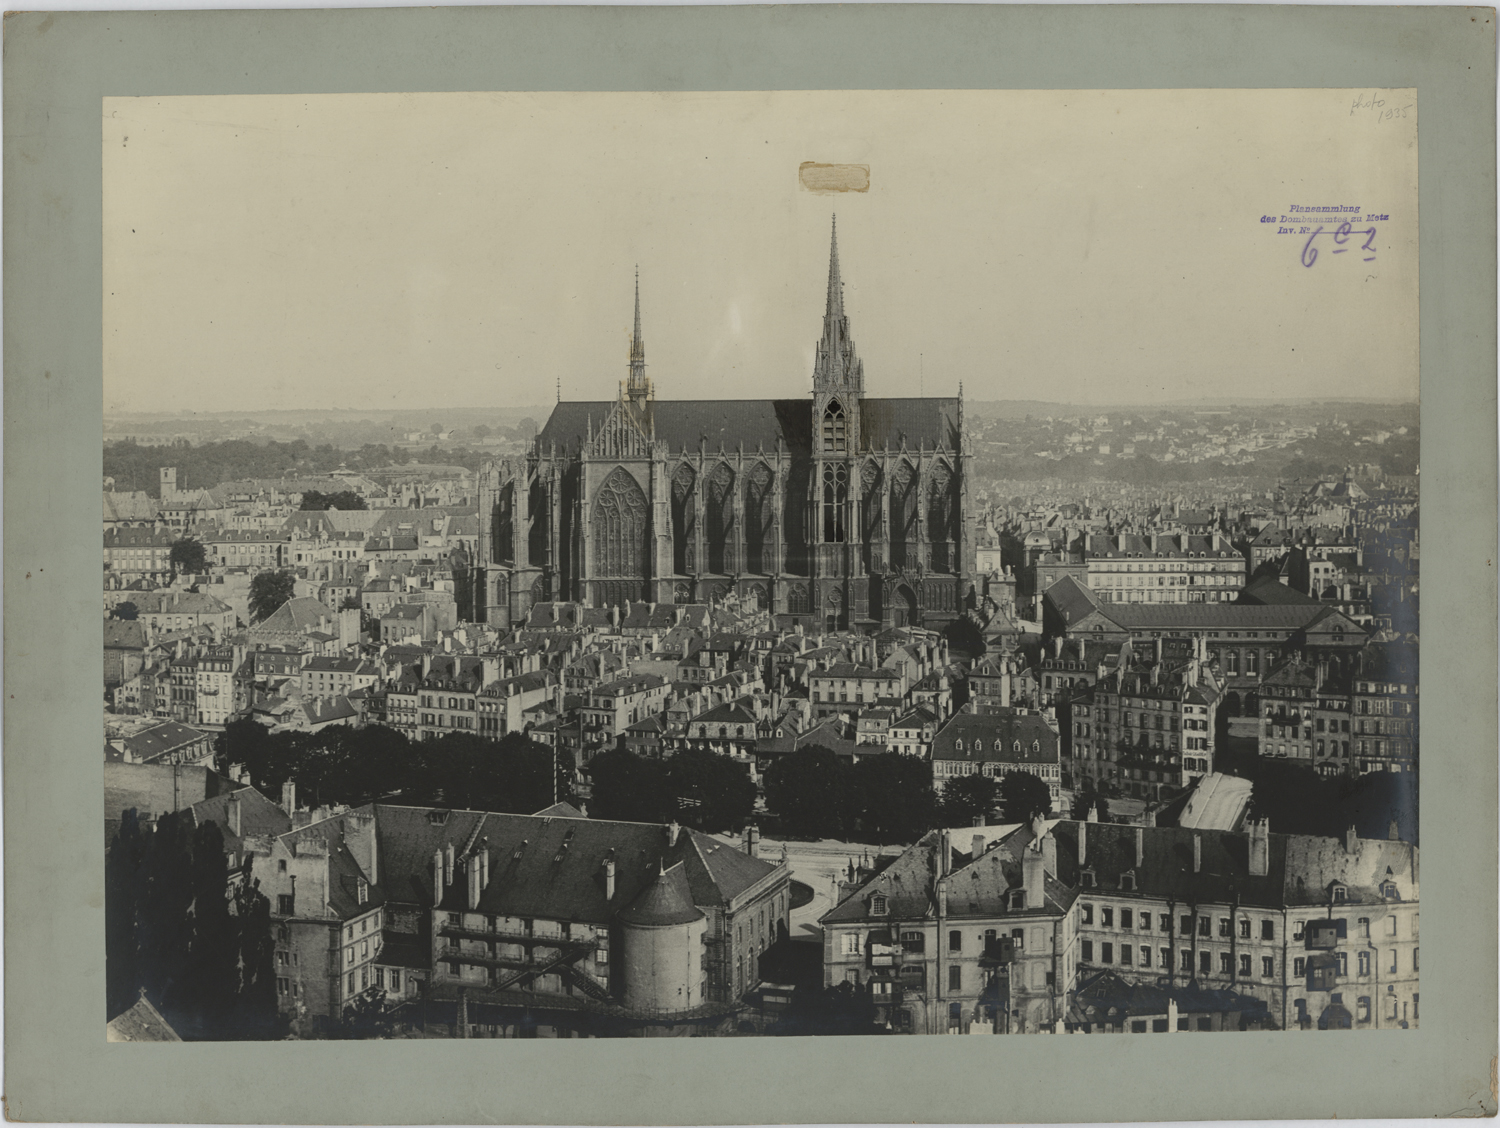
x=838 y=512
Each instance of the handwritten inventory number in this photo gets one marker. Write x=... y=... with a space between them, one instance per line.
x=1341 y=235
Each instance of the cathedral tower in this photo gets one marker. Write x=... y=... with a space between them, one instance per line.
x=838 y=389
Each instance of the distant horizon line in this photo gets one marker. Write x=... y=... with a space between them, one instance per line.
x=471 y=408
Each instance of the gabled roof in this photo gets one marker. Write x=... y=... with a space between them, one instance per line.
x=258 y=816
x=297 y=615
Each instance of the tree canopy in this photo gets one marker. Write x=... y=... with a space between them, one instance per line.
x=268 y=591
x=697 y=788
x=885 y=796
x=968 y=798
x=340 y=764
x=177 y=929
x=127 y=611
x=188 y=556
x=1023 y=796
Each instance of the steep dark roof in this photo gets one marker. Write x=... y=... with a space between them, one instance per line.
x=1269 y=591
x=553 y=868
x=760 y=423
x=667 y=900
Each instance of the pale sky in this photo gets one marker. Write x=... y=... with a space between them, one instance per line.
x=429 y=251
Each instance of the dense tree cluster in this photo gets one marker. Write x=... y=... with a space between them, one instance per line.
x=340 y=499
x=188 y=557
x=889 y=797
x=886 y=797
x=177 y=928
x=268 y=591
x=352 y=766
x=697 y=788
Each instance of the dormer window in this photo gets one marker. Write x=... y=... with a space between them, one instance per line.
x=1127 y=881
x=878 y=905
x=958 y=746
x=1388 y=890
x=1340 y=893
x=1087 y=879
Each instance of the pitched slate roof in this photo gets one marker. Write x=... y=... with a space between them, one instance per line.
x=986 y=730
x=553 y=868
x=689 y=424
x=258 y=816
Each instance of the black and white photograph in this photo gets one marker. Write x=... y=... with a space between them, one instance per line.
x=760 y=564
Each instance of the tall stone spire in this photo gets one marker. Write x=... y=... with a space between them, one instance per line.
x=638 y=388
x=837 y=363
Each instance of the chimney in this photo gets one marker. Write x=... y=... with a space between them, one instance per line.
x=1093 y=815
x=484 y=862
x=1033 y=877
x=361 y=890
x=448 y=865
x=1197 y=853
x=752 y=841
x=1083 y=842
x=978 y=847
x=609 y=879
x=1260 y=847
x=1140 y=846
x=437 y=876
x=289 y=797
x=476 y=881
x=1393 y=832
x=673 y=830
x=234 y=814
x=1351 y=841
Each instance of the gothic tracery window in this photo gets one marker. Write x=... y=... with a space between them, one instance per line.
x=760 y=518
x=620 y=519
x=835 y=439
x=835 y=502
x=904 y=516
x=684 y=521
x=718 y=517
x=940 y=509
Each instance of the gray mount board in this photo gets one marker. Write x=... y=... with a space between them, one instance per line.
x=57 y=68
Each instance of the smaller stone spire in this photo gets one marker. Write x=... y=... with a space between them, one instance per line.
x=637 y=387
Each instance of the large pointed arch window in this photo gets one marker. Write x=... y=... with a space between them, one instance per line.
x=620 y=527
x=835 y=432
x=835 y=502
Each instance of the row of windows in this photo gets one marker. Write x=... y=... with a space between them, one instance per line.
x=1142 y=919
x=1130 y=955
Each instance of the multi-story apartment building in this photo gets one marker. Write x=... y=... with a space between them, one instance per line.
x=486 y=925
x=1159 y=568
x=330 y=677
x=966 y=931
x=993 y=744
x=1289 y=705
x=253 y=550
x=169 y=611
x=911 y=733
x=214 y=697
x=138 y=553
x=1151 y=728
x=1383 y=709
x=613 y=706
x=1284 y=931
x=183 y=697
x=845 y=687
x=1322 y=931
x=1244 y=640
